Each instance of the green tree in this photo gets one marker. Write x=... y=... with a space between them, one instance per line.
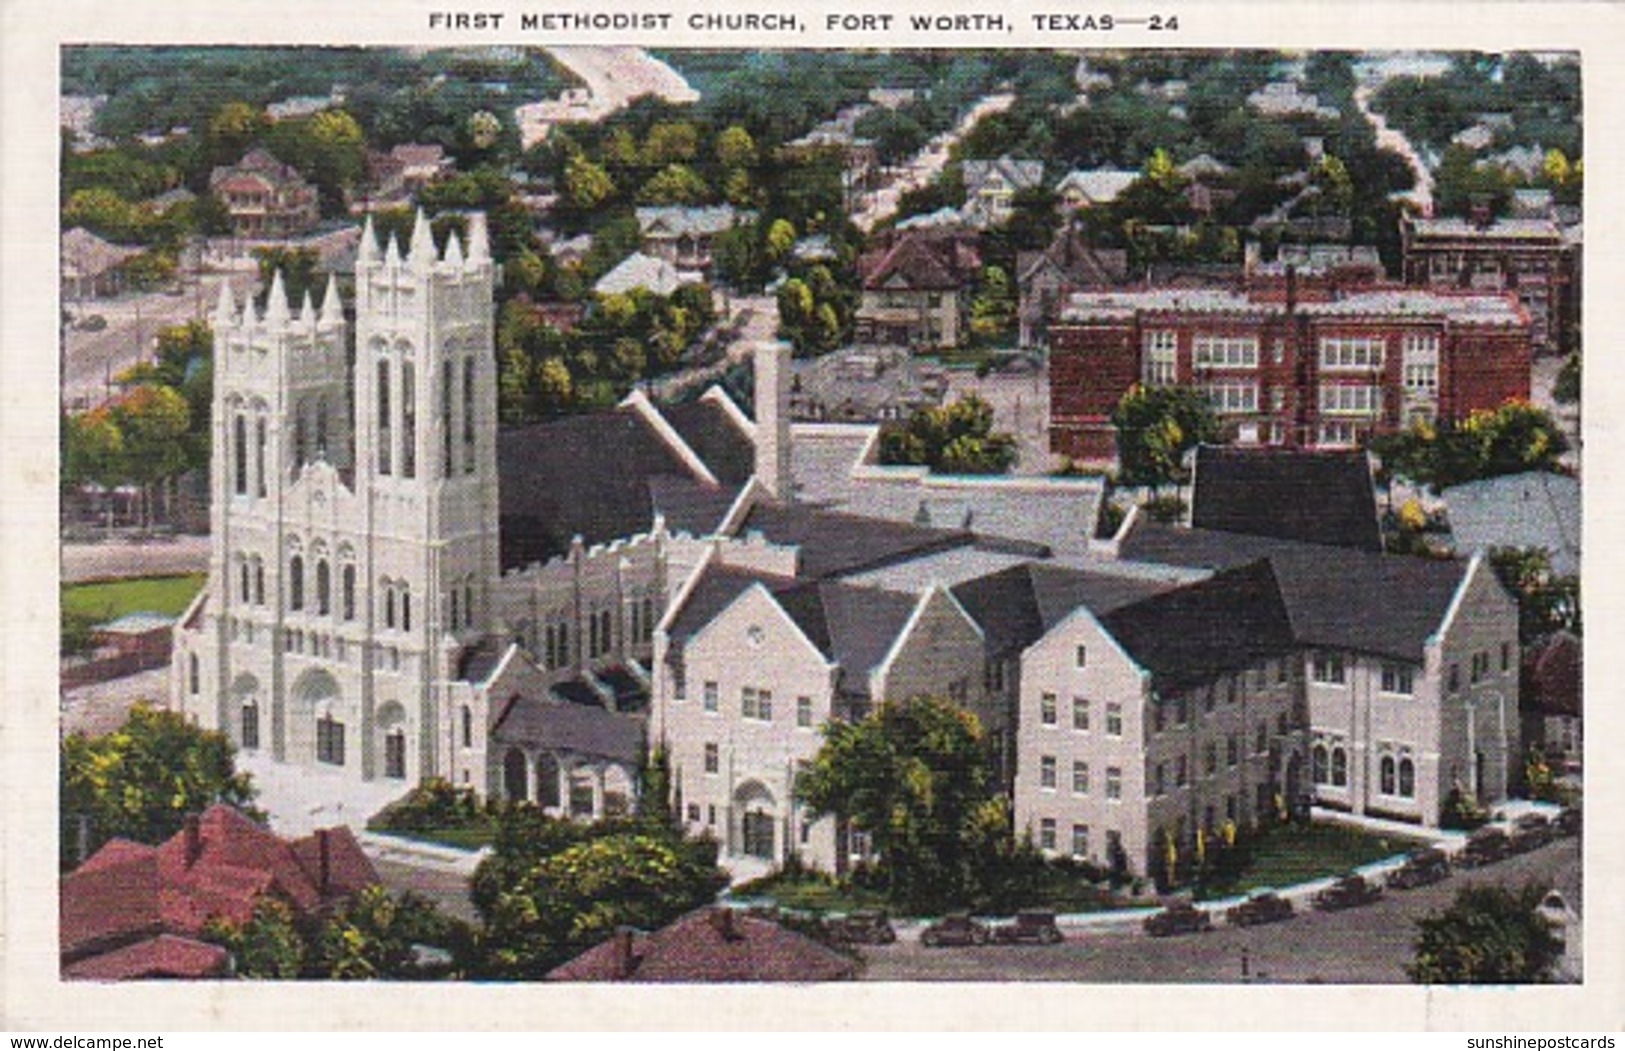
x=155 y=422
x=1156 y=426
x=781 y=237
x=586 y=185
x=1490 y=934
x=92 y=449
x=1547 y=602
x=993 y=307
x=671 y=142
x=298 y=266
x=373 y=936
x=675 y=184
x=141 y=780
x=956 y=438
x=1566 y=391
x=915 y=775
x=268 y=946
x=735 y=149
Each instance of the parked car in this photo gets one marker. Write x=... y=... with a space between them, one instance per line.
x=1531 y=831
x=1422 y=867
x=862 y=927
x=1179 y=918
x=1568 y=821
x=1349 y=892
x=1486 y=846
x=1554 y=909
x=1031 y=926
x=91 y=323
x=956 y=928
x=1261 y=906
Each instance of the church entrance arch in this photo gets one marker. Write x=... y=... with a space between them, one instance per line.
x=314 y=699
x=758 y=819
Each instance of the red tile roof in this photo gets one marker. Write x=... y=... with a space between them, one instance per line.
x=221 y=865
x=713 y=944
x=165 y=956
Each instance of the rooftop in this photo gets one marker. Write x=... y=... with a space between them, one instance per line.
x=1315 y=497
x=713 y=944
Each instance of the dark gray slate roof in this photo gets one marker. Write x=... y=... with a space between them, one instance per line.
x=476 y=663
x=853 y=627
x=711 y=432
x=833 y=544
x=572 y=727
x=604 y=475
x=1316 y=497
x=1357 y=600
x=1016 y=606
x=1232 y=620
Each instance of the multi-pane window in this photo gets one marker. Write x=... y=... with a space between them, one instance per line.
x=1338 y=433
x=1351 y=399
x=1046 y=709
x=1340 y=768
x=713 y=758
x=1351 y=352
x=1080 y=713
x=1398 y=678
x=385 y=437
x=804 y=712
x=1080 y=841
x=395 y=755
x=1506 y=656
x=1159 y=779
x=1388 y=779
x=710 y=697
x=1114 y=783
x=1160 y=368
x=756 y=704
x=1420 y=355
x=1046 y=771
x=1046 y=833
x=1080 y=777
x=239 y=442
x=251 y=725
x=1407 y=778
x=1224 y=352
x=1232 y=397
x=1327 y=669
x=329 y=741
x=1114 y=720
x=1481 y=666
x=296 y=583
x=1082 y=656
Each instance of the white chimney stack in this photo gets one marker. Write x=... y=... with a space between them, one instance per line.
x=772 y=397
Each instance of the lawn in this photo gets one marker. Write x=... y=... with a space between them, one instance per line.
x=462 y=837
x=109 y=599
x=810 y=893
x=1291 y=854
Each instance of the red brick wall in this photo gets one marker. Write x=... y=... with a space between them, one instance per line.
x=1481 y=369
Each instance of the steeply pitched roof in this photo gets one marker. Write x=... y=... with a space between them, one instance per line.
x=676 y=220
x=1101 y=185
x=1387 y=605
x=584 y=728
x=1016 y=606
x=643 y=271
x=1232 y=620
x=711 y=431
x=712 y=944
x=579 y=475
x=853 y=627
x=165 y=956
x=1315 y=497
x=920 y=260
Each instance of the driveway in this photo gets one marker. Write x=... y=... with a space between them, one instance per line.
x=1365 y=945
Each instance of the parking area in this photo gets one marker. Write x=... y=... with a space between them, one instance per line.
x=1371 y=944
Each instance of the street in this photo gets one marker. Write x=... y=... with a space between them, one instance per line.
x=92 y=360
x=1363 y=945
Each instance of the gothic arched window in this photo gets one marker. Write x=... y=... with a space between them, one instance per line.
x=324 y=588
x=296 y=582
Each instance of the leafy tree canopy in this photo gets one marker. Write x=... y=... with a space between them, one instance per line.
x=1491 y=934
x=1156 y=426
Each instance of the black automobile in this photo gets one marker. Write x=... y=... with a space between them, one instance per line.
x=1569 y=821
x=1531 y=831
x=862 y=927
x=1261 y=906
x=1349 y=892
x=1485 y=846
x=1030 y=927
x=1178 y=918
x=955 y=929
x=1422 y=867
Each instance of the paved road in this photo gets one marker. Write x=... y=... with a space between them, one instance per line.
x=880 y=204
x=614 y=76
x=1368 y=945
x=130 y=558
x=1391 y=138
x=90 y=360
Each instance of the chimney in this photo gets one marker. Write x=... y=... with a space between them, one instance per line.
x=772 y=397
x=194 y=840
x=722 y=920
x=324 y=868
x=622 y=948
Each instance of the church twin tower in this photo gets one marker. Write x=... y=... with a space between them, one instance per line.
x=354 y=512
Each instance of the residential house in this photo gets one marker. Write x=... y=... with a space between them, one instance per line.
x=1086 y=189
x=859 y=157
x=1045 y=279
x=1303 y=365
x=713 y=944
x=133 y=911
x=683 y=236
x=1552 y=701
x=647 y=272
x=92 y=268
x=991 y=187
x=1285 y=99
x=264 y=197
x=916 y=288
